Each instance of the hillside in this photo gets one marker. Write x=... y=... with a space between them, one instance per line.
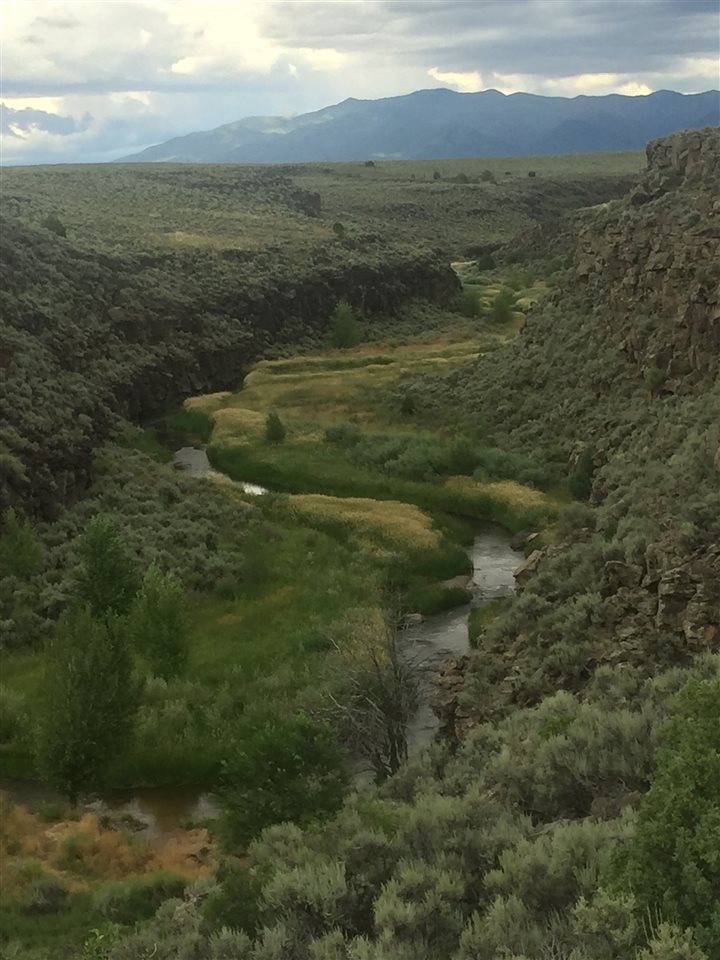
x=563 y=383
x=169 y=281
x=442 y=123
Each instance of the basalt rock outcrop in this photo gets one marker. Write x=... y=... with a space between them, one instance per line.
x=654 y=260
x=621 y=364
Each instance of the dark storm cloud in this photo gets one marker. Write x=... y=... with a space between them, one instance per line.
x=547 y=37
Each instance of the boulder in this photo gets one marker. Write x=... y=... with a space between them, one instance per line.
x=529 y=567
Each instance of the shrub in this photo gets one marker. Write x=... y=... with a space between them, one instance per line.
x=55 y=225
x=655 y=377
x=581 y=478
x=345 y=434
x=471 y=305
x=275 y=431
x=502 y=306
x=487 y=176
x=21 y=553
x=532 y=173
x=672 y=861
x=437 y=175
x=47 y=895
x=137 y=898
x=289 y=769
x=485 y=261
x=13 y=716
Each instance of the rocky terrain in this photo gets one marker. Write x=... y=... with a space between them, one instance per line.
x=620 y=368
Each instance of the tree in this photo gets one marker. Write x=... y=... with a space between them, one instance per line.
x=502 y=306
x=345 y=331
x=89 y=701
x=158 y=624
x=673 y=861
x=287 y=769
x=55 y=225
x=108 y=578
x=21 y=553
x=377 y=696
x=487 y=176
x=581 y=478
x=275 y=431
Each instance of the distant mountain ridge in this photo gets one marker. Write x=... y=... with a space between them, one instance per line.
x=439 y=123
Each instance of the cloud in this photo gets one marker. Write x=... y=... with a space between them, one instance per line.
x=464 y=82
x=146 y=70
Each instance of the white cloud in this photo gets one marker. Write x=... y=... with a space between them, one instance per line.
x=464 y=82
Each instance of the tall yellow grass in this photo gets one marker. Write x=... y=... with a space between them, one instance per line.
x=384 y=524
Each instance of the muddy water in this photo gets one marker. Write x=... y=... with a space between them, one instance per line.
x=152 y=812
x=194 y=461
x=158 y=811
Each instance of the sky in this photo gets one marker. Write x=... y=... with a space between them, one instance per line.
x=92 y=81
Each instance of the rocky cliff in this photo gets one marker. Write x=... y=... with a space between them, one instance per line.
x=620 y=365
x=653 y=258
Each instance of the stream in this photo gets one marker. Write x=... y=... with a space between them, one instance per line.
x=158 y=811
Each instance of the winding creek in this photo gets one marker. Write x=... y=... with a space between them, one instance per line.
x=158 y=811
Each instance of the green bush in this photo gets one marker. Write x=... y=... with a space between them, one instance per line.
x=290 y=769
x=671 y=863
x=128 y=901
x=275 y=431
x=344 y=330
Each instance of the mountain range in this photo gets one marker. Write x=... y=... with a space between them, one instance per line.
x=440 y=123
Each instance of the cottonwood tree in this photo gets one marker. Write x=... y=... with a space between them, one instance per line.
x=158 y=625
x=345 y=330
x=89 y=701
x=21 y=553
x=108 y=578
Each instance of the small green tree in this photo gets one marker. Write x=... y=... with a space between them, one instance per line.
x=89 y=701
x=108 y=578
x=673 y=861
x=21 y=553
x=502 y=306
x=55 y=225
x=288 y=769
x=158 y=624
x=275 y=431
x=581 y=478
x=345 y=330
x=487 y=176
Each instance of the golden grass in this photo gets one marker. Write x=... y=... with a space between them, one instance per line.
x=237 y=424
x=506 y=491
x=207 y=403
x=376 y=524
x=82 y=852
